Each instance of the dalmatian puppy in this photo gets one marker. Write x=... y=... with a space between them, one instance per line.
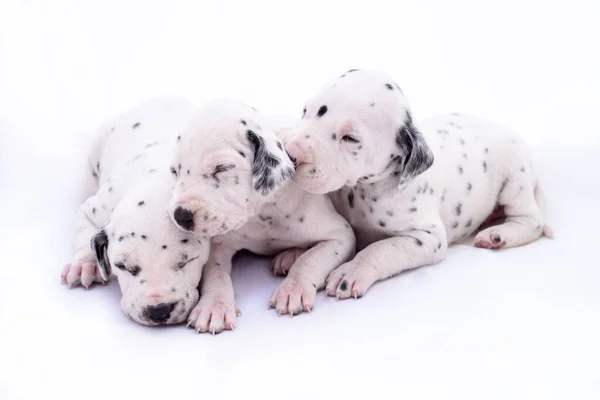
x=124 y=228
x=233 y=184
x=408 y=191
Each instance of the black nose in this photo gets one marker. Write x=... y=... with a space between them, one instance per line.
x=185 y=218
x=161 y=312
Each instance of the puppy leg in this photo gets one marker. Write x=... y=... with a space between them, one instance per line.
x=386 y=258
x=524 y=222
x=216 y=311
x=83 y=269
x=283 y=261
x=298 y=291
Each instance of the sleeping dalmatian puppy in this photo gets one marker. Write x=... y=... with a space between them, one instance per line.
x=409 y=191
x=233 y=184
x=124 y=228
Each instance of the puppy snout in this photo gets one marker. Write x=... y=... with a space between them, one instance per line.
x=184 y=218
x=296 y=151
x=160 y=313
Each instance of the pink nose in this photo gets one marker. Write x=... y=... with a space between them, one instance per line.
x=297 y=151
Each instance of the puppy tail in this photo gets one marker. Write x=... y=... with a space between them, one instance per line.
x=541 y=202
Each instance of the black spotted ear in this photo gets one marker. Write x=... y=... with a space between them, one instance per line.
x=99 y=245
x=417 y=154
x=271 y=166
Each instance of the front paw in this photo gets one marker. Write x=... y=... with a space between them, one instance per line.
x=293 y=296
x=349 y=280
x=84 y=272
x=282 y=262
x=214 y=315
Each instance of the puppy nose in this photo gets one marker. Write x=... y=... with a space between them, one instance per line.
x=184 y=218
x=296 y=152
x=161 y=312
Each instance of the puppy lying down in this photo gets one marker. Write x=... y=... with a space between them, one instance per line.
x=233 y=184
x=158 y=265
x=410 y=190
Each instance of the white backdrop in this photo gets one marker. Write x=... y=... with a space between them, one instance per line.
x=515 y=324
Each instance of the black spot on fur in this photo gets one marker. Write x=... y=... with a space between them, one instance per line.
x=151 y=144
x=465 y=156
x=280 y=145
x=141 y=203
x=468 y=224
x=301 y=219
x=304 y=112
x=389 y=86
x=322 y=111
x=455 y=225
x=413 y=209
x=351 y=198
x=164 y=246
x=522 y=169
x=461 y=141
x=178 y=138
x=431 y=192
x=504 y=183
x=142 y=281
x=173 y=171
x=458 y=209
x=333 y=136
x=136 y=125
x=484 y=165
x=132 y=234
x=151 y=171
x=121 y=238
x=243 y=122
x=375 y=198
x=110 y=189
x=144 y=237
x=344 y=286
x=419 y=243
x=390 y=213
x=469 y=186
x=382 y=223
x=94 y=210
x=460 y=169
x=242 y=154
x=486 y=150
x=184 y=241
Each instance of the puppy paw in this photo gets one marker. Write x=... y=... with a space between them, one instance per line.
x=489 y=239
x=213 y=315
x=282 y=262
x=84 y=272
x=294 y=296
x=349 y=280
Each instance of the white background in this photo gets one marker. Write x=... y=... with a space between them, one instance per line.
x=516 y=324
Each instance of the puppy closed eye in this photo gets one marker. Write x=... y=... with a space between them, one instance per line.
x=350 y=139
x=183 y=263
x=223 y=168
x=132 y=270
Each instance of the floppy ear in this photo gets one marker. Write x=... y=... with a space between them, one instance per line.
x=417 y=154
x=99 y=245
x=271 y=165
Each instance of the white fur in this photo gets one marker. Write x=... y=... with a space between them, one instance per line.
x=131 y=160
x=404 y=212
x=305 y=233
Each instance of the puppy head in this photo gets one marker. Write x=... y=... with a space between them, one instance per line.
x=158 y=265
x=227 y=161
x=357 y=129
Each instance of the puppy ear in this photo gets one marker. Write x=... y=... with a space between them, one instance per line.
x=271 y=165
x=417 y=154
x=99 y=245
